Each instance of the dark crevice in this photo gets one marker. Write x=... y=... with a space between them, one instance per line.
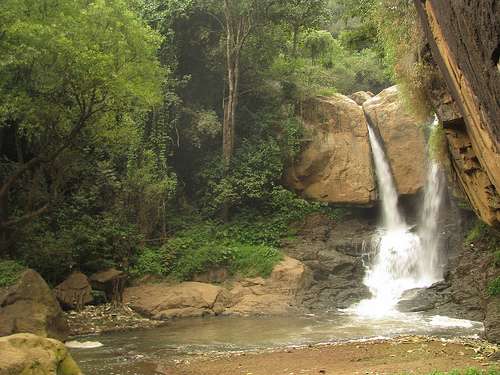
x=495 y=56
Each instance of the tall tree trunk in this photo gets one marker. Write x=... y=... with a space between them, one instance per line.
x=296 y=30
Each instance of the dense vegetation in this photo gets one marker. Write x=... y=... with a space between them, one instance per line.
x=153 y=135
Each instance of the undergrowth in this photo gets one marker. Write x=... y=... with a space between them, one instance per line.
x=248 y=245
x=9 y=272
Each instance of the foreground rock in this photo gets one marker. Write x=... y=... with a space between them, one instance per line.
x=280 y=292
x=30 y=306
x=403 y=138
x=30 y=354
x=335 y=165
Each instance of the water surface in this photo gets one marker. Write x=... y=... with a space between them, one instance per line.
x=138 y=352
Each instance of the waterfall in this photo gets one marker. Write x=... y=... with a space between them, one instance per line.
x=403 y=259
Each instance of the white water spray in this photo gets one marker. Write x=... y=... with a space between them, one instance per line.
x=403 y=259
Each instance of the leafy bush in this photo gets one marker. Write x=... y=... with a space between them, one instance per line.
x=494 y=287
x=149 y=262
x=437 y=143
x=9 y=272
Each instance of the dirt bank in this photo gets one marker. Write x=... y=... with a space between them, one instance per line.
x=413 y=355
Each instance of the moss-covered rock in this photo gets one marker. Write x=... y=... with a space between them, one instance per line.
x=28 y=354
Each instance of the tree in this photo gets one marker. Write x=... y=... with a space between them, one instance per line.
x=301 y=14
x=67 y=65
x=318 y=42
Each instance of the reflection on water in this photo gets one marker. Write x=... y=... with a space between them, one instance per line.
x=136 y=352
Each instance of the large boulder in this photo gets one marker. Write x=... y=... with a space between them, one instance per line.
x=29 y=306
x=165 y=301
x=75 y=291
x=283 y=290
x=403 y=139
x=335 y=165
x=26 y=353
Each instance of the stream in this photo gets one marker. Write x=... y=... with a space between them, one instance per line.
x=139 y=352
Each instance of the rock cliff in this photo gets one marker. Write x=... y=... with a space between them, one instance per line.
x=336 y=166
x=464 y=39
x=403 y=139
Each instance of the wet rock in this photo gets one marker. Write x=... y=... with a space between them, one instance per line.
x=30 y=354
x=75 y=291
x=334 y=252
x=29 y=306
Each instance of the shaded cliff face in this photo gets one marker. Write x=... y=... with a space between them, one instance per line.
x=464 y=39
x=336 y=164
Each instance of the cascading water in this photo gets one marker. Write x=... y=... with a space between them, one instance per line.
x=403 y=259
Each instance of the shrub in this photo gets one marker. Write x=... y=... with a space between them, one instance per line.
x=494 y=287
x=149 y=262
x=9 y=272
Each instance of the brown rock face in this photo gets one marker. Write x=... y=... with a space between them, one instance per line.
x=75 y=291
x=464 y=38
x=26 y=353
x=275 y=295
x=360 y=97
x=336 y=165
x=284 y=289
x=403 y=139
x=29 y=306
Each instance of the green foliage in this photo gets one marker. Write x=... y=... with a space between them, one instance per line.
x=89 y=243
x=437 y=143
x=77 y=61
x=318 y=43
x=149 y=262
x=9 y=272
x=494 y=287
x=210 y=245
